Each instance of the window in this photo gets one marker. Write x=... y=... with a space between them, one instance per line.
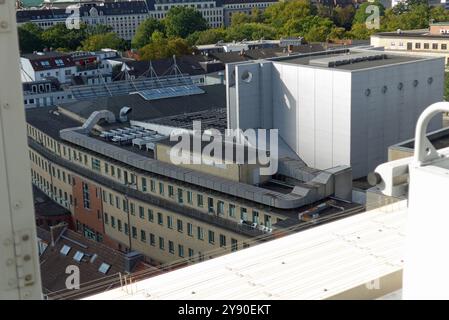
x=211 y=237
x=435 y=46
x=119 y=225
x=243 y=214
x=171 y=247
x=141 y=212
x=181 y=250
x=426 y=46
x=200 y=232
x=126 y=229
x=117 y=202
x=232 y=210
x=255 y=216
x=160 y=219
x=443 y=46
x=171 y=192
x=144 y=185
x=210 y=205
x=113 y=221
x=191 y=253
x=234 y=245
x=143 y=236
x=220 y=208
x=119 y=173
x=417 y=45
x=104 y=268
x=125 y=205
x=170 y=222
x=106 y=218
x=106 y=168
x=267 y=221
x=86 y=196
x=189 y=197
x=152 y=185
x=199 y=199
x=179 y=225
x=96 y=164
x=161 y=188
x=189 y=229
x=150 y=215
x=132 y=207
x=134 y=232
x=113 y=171
x=152 y=239
x=180 y=194
x=161 y=243
x=222 y=240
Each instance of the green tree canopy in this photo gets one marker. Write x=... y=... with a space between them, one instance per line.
x=251 y=31
x=107 y=40
x=343 y=16
x=30 y=38
x=161 y=47
x=58 y=36
x=207 y=36
x=98 y=29
x=362 y=14
x=183 y=21
x=145 y=31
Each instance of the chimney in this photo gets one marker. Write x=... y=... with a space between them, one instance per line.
x=131 y=259
x=56 y=232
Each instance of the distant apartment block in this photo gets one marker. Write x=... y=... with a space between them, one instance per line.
x=125 y=16
x=433 y=41
x=336 y=108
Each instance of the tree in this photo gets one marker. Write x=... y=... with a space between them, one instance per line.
x=359 y=31
x=183 y=21
x=439 y=14
x=207 y=36
x=30 y=38
x=161 y=47
x=279 y=14
x=363 y=12
x=145 y=31
x=250 y=31
x=240 y=18
x=100 y=41
x=98 y=29
x=343 y=16
x=58 y=36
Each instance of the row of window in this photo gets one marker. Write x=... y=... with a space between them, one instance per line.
x=151 y=239
x=214 y=206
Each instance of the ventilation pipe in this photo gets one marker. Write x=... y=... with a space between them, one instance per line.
x=124 y=112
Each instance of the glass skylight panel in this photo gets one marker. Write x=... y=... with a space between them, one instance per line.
x=78 y=256
x=104 y=268
x=65 y=250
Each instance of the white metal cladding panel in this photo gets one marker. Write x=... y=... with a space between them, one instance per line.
x=318 y=263
x=248 y=95
x=323 y=118
x=285 y=102
x=385 y=118
x=306 y=116
x=341 y=117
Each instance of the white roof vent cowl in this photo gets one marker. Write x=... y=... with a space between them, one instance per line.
x=124 y=112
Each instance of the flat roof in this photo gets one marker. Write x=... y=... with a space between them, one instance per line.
x=213 y=98
x=336 y=260
x=413 y=34
x=390 y=60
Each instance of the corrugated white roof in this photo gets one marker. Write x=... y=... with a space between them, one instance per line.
x=318 y=263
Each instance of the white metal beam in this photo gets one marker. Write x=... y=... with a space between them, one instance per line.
x=19 y=264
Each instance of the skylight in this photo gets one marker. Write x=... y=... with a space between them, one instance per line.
x=104 y=268
x=65 y=250
x=78 y=256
